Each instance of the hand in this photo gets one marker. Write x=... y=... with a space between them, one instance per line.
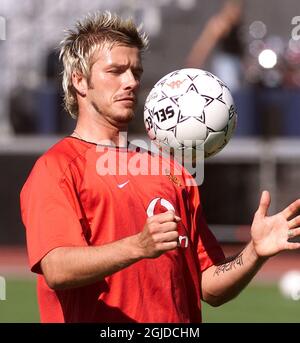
x=159 y=234
x=270 y=234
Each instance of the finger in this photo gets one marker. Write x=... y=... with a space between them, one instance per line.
x=168 y=216
x=166 y=246
x=295 y=222
x=264 y=204
x=177 y=219
x=293 y=238
x=166 y=237
x=293 y=246
x=292 y=233
x=292 y=209
x=168 y=227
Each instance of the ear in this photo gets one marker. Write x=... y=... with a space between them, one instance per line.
x=80 y=83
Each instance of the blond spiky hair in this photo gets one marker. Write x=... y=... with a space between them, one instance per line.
x=79 y=46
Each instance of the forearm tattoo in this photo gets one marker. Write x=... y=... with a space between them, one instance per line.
x=234 y=263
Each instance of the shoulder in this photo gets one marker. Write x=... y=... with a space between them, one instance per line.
x=57 y=161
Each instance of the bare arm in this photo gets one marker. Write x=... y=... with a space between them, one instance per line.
x=224 y=282
x=270 y=235
x=206 y=42
x=216 y=28
x=67 y=267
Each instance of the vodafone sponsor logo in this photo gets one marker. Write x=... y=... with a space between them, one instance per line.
x=183 y=240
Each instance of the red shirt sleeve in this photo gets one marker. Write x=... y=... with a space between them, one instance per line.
x=50 y=211
x=208 y=249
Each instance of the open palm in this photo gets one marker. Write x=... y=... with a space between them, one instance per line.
x=270 y=234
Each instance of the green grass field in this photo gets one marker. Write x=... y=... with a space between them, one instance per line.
x=257 y=304
x=20 y=305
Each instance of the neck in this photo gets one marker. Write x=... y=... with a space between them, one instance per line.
x=100 y=132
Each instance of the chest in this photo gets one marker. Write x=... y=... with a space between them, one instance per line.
x=118 y=195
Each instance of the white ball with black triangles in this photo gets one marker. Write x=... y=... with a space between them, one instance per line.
x=189 y=107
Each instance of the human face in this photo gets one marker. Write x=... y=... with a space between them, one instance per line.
x=114 y=83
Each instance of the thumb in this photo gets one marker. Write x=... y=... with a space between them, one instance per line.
x=177 y=219
x=265 y=201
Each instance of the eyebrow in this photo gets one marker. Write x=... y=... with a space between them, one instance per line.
x=116 y=65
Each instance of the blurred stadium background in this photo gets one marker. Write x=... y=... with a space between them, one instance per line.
x=264 y=153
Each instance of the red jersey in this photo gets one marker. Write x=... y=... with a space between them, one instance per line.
x=81 y=194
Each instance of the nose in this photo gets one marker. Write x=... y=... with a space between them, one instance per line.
x=131 y=82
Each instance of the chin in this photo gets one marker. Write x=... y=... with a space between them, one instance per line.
x=125 y=116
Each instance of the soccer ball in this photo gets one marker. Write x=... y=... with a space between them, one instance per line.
x=188 y=108
x=289 y=285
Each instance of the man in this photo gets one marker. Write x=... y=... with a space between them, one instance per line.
x=120 y=246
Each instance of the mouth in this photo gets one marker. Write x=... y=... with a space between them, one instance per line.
x=127 y=101
x=127 y=98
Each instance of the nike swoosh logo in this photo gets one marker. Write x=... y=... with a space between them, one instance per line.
x=121 y=185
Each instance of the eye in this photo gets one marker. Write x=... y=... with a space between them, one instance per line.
x=114 y=71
